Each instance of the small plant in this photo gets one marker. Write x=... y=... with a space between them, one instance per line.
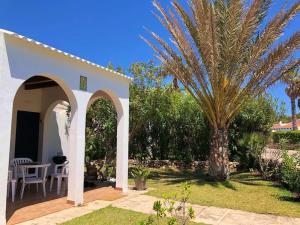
x=173 y=206
x=140 y=175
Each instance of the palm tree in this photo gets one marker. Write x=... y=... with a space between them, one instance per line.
x=222 y=52
x=292 y=79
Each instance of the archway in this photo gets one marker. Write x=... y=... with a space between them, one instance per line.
x=101 y=140
x=35 y=134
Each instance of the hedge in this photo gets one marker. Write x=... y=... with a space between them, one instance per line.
x=293 y=137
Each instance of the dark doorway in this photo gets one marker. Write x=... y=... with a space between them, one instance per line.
x=27 y=135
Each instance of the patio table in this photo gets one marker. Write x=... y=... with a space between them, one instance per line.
x=31 y=171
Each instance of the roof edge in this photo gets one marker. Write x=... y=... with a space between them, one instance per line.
x=65 y=53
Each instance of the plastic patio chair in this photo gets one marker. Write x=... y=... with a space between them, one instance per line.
x=16 y=165
x=41 y=178
x=60 y=173
x=11 y=185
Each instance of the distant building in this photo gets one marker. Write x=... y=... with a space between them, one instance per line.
x=284 y=126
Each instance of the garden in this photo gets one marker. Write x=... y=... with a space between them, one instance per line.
x=169 y=134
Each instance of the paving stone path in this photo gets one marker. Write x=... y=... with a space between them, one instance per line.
x=137 y=201
x=206 y=214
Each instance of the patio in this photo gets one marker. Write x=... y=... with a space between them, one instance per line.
x=34 y=205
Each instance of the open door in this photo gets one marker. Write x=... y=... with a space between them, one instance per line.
x=27 y=135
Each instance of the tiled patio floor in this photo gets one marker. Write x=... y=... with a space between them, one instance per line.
x=34 y=205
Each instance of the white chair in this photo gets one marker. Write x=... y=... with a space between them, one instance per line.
x=17 y=163
x=60 y=172
x=11 y=184
x=41 y=178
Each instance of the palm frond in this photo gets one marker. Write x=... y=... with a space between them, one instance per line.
x=222 y=53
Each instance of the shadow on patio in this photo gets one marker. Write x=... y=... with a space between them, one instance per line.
x=34 y=205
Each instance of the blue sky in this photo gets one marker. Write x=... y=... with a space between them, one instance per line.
x=100 y=31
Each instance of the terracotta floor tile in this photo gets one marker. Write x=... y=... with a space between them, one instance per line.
x=34 y=205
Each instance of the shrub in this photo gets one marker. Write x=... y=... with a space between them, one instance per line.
x=267 y=162
x=293 y=137
x=291 y=173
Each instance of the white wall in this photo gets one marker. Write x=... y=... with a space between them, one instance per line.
x=56 y=132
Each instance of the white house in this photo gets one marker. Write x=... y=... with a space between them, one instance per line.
x=37 y=84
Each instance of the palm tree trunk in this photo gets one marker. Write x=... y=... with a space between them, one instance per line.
x=294 y=119
x=175 y=84
x=218 y=159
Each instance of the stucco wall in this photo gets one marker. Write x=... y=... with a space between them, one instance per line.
x=56 y=132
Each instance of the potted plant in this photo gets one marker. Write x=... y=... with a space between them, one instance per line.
x=140 y=175
x=91 y=170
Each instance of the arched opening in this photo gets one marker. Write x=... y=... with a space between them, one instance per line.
x=41 y=114
x=101 y=141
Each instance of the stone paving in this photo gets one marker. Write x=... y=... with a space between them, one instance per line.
x=137 y=201
x=206 y=214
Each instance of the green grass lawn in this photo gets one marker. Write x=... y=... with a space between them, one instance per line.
x=243 y=191
x=112 y=216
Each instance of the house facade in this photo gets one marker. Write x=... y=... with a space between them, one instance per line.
x=44 y=96
x=285 y=126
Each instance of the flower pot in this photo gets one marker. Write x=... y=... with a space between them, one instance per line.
x=140 y=183
x=91 y=172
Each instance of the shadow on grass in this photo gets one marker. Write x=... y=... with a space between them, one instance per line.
x=250 y=179
x=199 y=177
x=289 y=199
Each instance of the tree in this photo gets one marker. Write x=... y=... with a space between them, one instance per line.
x=292 y=79
x=223 y=54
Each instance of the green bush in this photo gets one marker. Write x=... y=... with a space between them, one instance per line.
x=291 y=173
x=268 y=166
x=101 y=131
x=293 y=137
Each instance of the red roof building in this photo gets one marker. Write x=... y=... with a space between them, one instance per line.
x=284 y=126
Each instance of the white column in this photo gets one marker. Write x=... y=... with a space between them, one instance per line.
x=122 y=146
x=6 y=106
x=77 y=148
x=7 y=93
